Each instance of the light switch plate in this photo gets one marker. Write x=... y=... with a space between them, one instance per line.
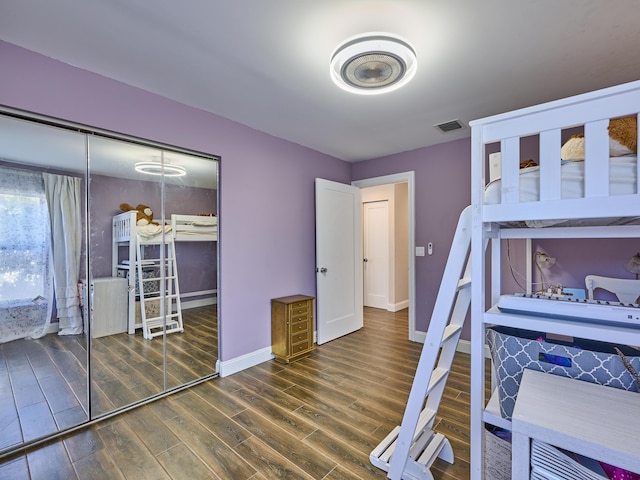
x=419 y=251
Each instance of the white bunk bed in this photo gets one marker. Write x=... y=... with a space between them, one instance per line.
x=597 y=210
x=125 y=233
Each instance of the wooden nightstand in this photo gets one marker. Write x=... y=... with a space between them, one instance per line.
x=291 y=327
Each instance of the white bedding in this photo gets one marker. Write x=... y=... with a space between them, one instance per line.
x=151 y=230
x=192 y=228
x=622 y=181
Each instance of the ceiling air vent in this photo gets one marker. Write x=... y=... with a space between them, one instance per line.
x=449 y=126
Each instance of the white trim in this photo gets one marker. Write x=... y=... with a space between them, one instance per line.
x=211 y=298
x=199 y=293
x=199 y=303
x=464 y=346
x=409 y=178
x=419 y=336
x=396 y=307
x=248 y=360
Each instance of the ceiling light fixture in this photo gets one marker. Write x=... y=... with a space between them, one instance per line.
x=157 y=168
x=373 y=63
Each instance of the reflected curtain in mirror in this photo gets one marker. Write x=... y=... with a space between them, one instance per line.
x=26 y=285
x=63 y=195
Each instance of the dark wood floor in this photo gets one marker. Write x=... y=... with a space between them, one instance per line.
x=318 y=417
x=43 y=383
x=127 y=368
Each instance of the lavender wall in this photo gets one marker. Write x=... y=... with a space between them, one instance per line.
x=442 y=191
x=267 y=241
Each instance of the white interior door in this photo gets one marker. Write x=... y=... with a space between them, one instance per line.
x=376 y=254
x=338 y=260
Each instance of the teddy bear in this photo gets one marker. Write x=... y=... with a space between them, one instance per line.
x=144 y=215
x=623 y=140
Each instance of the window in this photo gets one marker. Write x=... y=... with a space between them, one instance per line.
x=24 y=236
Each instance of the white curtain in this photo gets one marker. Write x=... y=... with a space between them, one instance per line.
x=65 y=216
x=26 y=286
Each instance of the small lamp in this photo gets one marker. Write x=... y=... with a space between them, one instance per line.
x=633 y=265
x=542 y=260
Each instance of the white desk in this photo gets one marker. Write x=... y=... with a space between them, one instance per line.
x=599 y=422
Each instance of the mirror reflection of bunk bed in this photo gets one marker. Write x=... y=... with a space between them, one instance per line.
x=150 y=266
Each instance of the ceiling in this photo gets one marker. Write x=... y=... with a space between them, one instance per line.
x=66 y=150
x=265 y=64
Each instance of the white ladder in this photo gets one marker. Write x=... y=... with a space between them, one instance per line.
x=165 y=296
x=410 y=449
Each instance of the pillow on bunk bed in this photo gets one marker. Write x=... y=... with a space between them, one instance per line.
x=623 y=140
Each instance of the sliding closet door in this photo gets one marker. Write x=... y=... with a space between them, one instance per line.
x=125 y=366
x=43 y=347
x=191 y=206
x=100 y=308
x=153 y=271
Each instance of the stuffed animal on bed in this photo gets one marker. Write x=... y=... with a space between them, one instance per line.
x=623 y=140
x=144 y=215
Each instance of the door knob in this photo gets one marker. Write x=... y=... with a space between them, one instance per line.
x=321 y=270
x=365 y=260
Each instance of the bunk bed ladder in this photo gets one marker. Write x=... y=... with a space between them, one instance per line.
x=160 y=307
x=410 y=449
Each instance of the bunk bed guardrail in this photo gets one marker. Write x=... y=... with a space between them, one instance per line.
x=592 y=111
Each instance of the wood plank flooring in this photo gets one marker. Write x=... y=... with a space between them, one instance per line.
x=43 y=383
x=317 y=418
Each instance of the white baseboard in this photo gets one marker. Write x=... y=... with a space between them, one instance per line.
x=396 y=307
x=235 y=365
x=211 y=298
x=202 y=302
x=419 y=336
x=464 y=346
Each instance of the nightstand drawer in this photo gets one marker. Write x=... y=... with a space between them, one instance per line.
x=299 y=337
x=299 y=327
x=299 y=348
x=301 y=310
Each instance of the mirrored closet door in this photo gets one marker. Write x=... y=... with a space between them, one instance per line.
x=108 y=275
x=153 y=245
x=43 y=349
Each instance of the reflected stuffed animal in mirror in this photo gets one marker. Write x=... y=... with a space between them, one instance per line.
x=144 y=215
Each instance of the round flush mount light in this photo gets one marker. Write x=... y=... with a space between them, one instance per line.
x=373 y=63
x=157 y=168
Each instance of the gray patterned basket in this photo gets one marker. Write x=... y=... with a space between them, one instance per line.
x=513 y=350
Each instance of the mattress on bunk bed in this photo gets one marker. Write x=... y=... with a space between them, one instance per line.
x=200 y=226
x=622 y=181
x=204 y=226
x=152 y=230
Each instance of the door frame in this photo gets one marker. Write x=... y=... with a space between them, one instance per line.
x=409 y=179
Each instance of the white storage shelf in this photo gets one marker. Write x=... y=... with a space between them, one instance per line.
x=598 y=422
x=589 y=330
